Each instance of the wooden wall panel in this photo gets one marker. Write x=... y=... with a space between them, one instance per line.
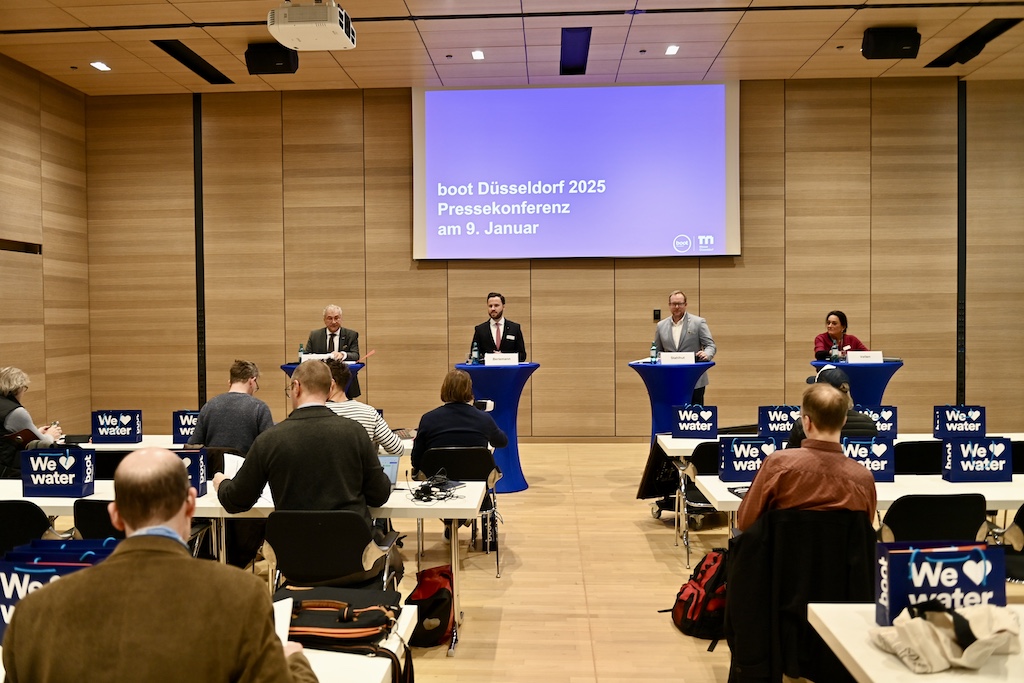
x=20 y=188
x=324 y=243
x=244 y=240
x=142 y=297
x=66 y=256
x=642 y=285
x=469 y=283
x=21 y=331
x=406 y=300
x=744 y=298
x=573 y=312
x=828 y=215
x=913 y=241
x=995 y=251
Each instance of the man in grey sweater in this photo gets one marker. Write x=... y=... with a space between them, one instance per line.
x=234 y=420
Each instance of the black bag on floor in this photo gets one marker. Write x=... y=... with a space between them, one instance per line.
x=434 y=598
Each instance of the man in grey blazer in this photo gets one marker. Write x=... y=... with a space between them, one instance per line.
x=341 y=342
x=686 y=332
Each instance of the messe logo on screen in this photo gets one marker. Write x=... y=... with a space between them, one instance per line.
x=682 y=243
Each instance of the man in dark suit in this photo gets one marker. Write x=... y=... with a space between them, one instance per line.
x=486 y=335
x=341 y=342
x=151 y=612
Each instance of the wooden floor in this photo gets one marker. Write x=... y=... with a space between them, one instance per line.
x=585 y=569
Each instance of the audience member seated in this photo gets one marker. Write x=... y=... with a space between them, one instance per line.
x=150 y=612
x=366 y=415
x=857 y=424
x=816 y=476
x=457 y=422
x=229 y=423
x=17 y=433
x=234 y=419
x=313 y=460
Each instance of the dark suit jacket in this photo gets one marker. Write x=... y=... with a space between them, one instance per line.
x=348 y=341
x=785 y=560
x=511 y=339
x=149 y=612
x=314 y=460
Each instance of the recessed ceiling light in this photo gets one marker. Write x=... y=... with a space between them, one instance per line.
x=99 y=66
x=672 y=49
x=478 y=54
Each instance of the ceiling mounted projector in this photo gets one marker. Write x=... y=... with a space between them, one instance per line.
x=320 y=26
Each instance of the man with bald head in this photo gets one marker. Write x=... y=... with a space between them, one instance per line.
x=150 y=612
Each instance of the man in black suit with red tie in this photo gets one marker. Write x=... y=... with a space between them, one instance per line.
x=498 y=335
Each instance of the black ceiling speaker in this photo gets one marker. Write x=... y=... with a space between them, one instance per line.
x=271 y=58
x=890 y=42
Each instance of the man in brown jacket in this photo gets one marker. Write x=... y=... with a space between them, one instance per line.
x=150 y=612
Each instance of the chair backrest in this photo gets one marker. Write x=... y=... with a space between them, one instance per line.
x=1017 y=453
x=917 y=457
x=783 y=561
x=935 y=517
x=23 y=521
x=317 y=546
x=93 y=521
x=215 y=458
x=460 y=463
x=705 y=457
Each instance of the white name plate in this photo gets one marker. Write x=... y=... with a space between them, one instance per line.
x=863 y=356
x=677 y=358
x=501 y=359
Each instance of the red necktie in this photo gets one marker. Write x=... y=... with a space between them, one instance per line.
x=497 y=337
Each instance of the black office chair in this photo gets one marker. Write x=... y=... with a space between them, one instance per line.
x=23 y=521
x=1017 y=456
x=328 y=548
x=469 y=463
x=950 y=517
x=93 y=521
x=691 y=504
x=1011 y=538
x=784 y=561
x=917 y=457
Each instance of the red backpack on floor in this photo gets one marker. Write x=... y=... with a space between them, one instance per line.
x=433 y=597
x=700 y=605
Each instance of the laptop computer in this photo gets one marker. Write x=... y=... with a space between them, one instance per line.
x=390 y=465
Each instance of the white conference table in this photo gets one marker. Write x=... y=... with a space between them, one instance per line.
x=683 y=448
x=1007 y=495
x=844 y=628
x=344 y=666
x=464 y=504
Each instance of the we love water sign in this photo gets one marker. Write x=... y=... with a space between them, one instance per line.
x=183 y=423
x=694 y=421
x=739 y=458
x=958 y=576
x=776 y=420
x=58 y=472
x=116 y=426
x=982 y=458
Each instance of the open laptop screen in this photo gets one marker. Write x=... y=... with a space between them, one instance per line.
x=390 y=465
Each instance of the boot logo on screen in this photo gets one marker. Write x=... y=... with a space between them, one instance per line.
x=682 y=243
